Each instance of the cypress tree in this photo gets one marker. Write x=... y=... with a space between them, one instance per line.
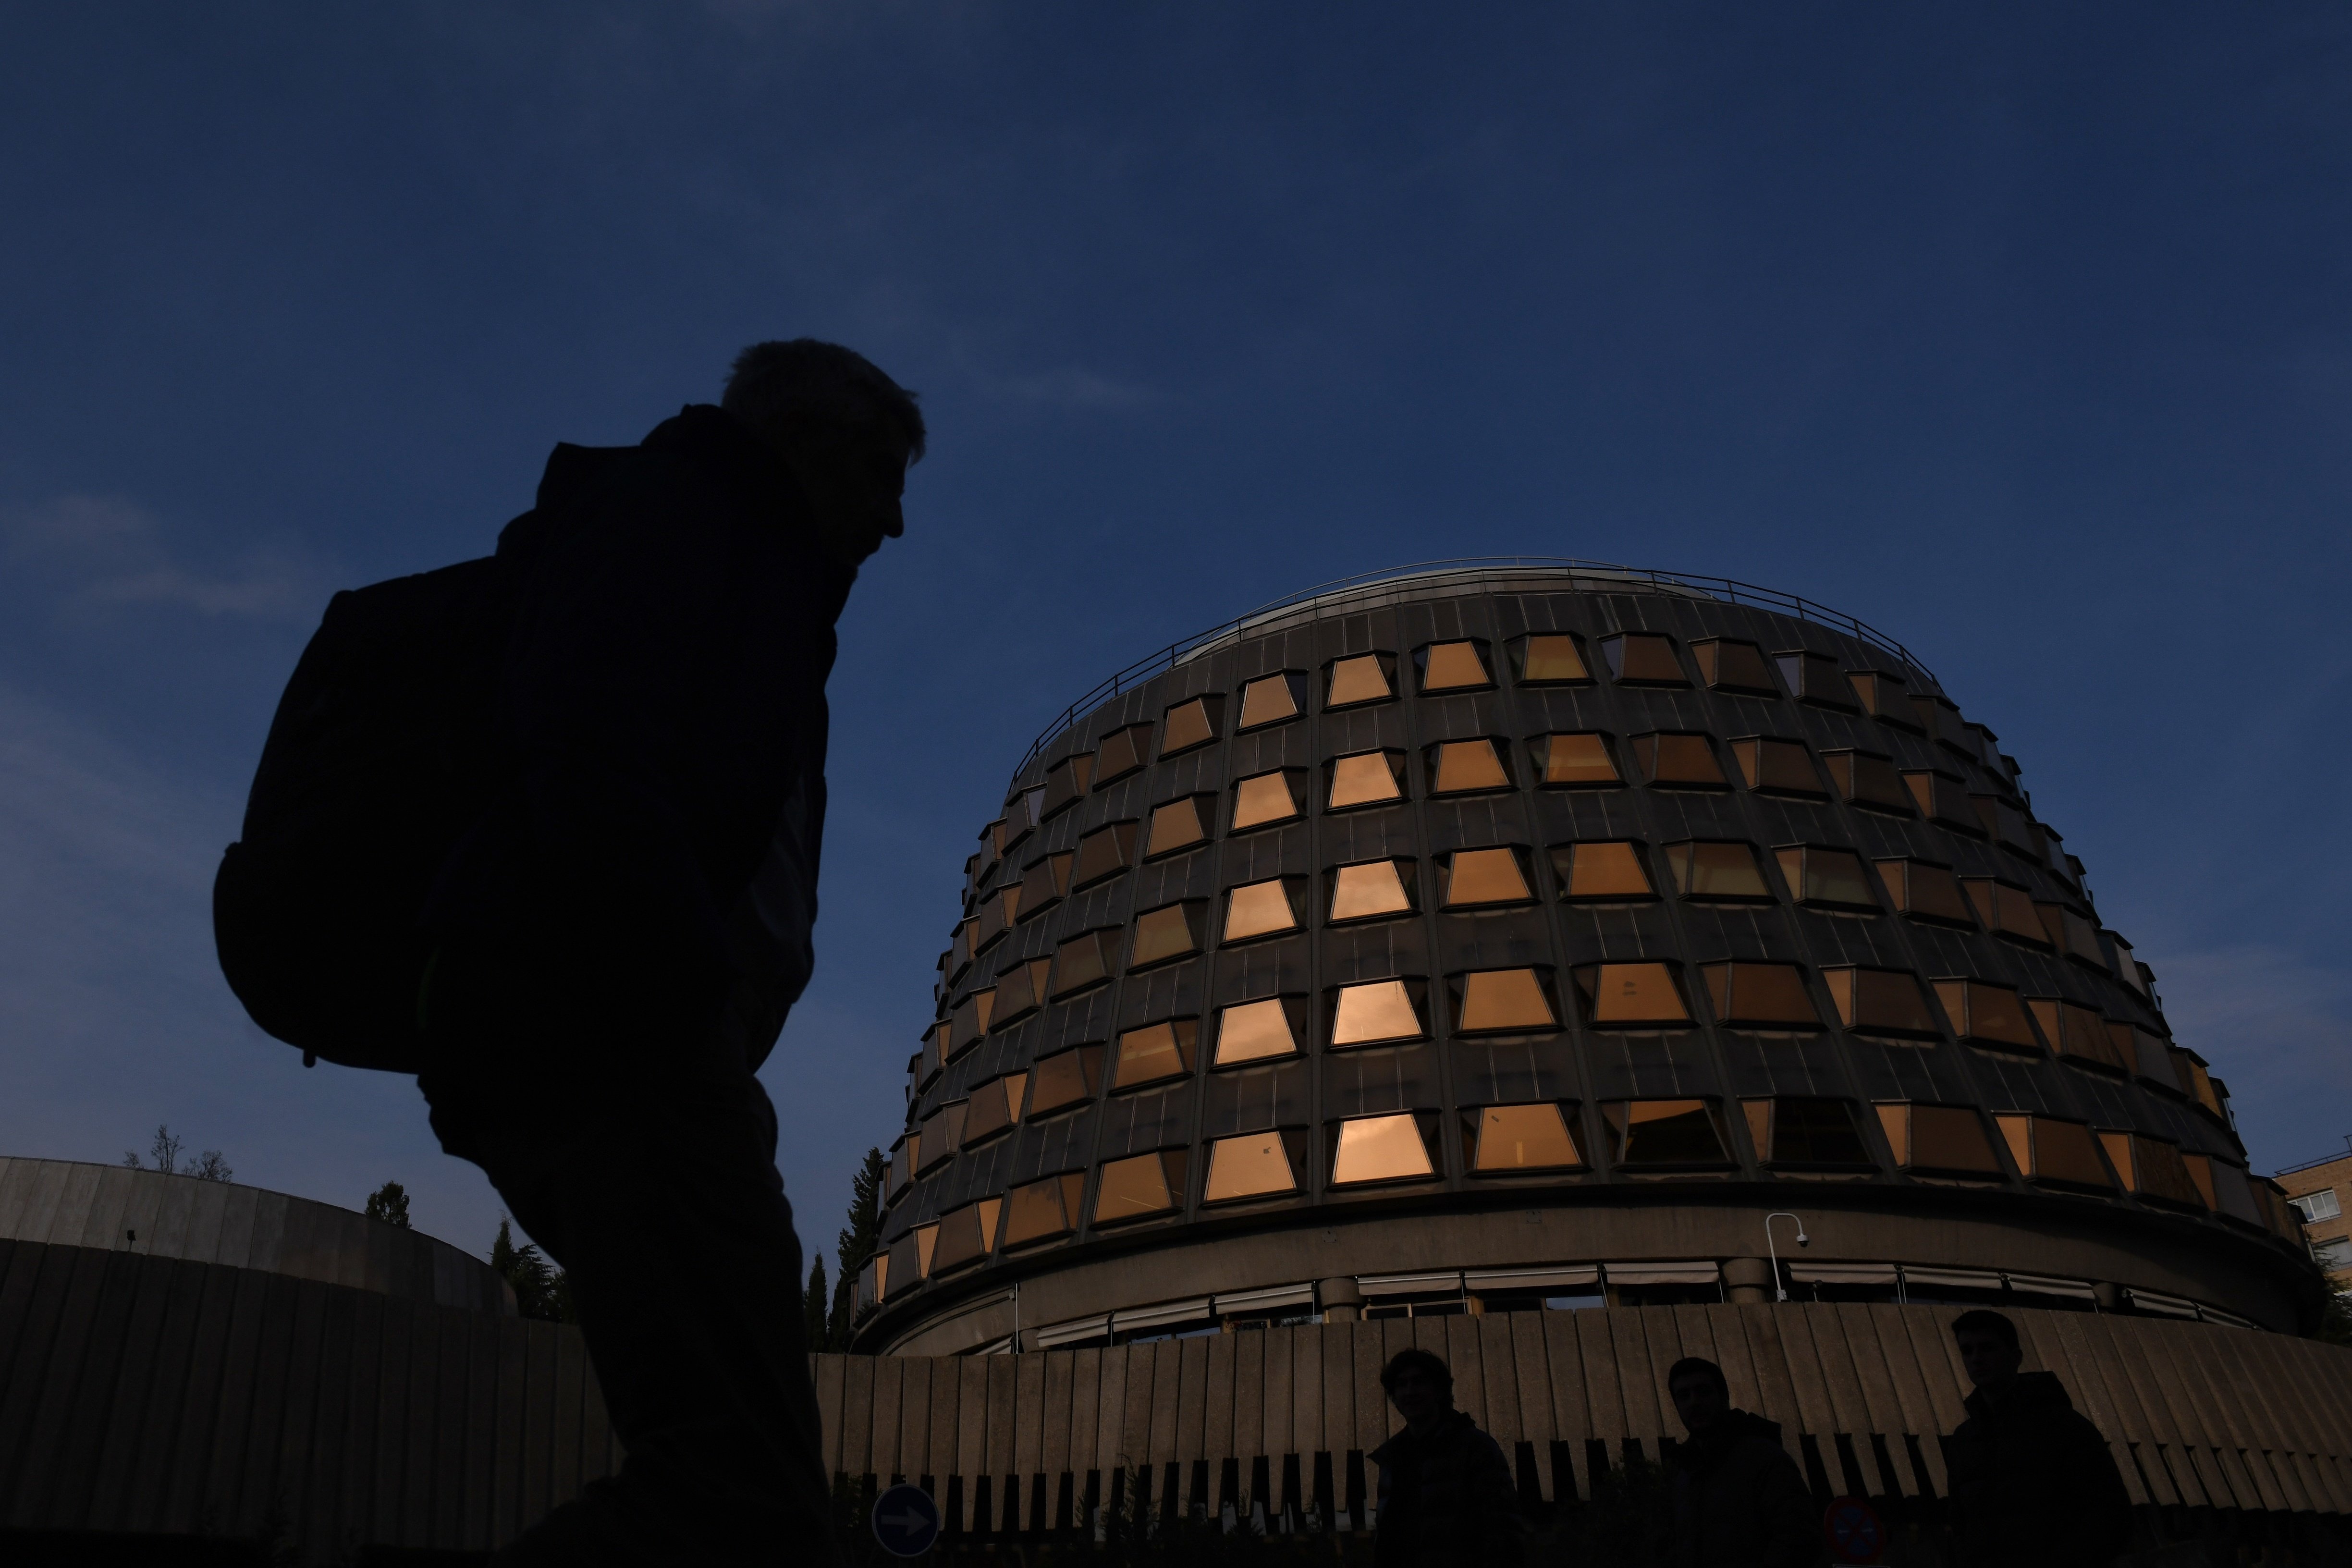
x=857 y=1243
x=813 y=1308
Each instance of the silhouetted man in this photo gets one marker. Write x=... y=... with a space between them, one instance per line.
x=619 y=939
x=1740 y=1500
x=2033 y=1481
x=1446 y=1494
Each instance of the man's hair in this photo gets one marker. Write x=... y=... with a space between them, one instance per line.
x=1983 y=1320
x=775 y=385
x=1698 y=1366
x=1410 y=1358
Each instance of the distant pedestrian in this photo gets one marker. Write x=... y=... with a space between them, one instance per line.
x=1446 y=1499
x=1740 y=1500
x=2033 y=1481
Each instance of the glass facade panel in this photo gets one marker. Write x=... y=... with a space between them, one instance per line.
x=1368 y=778
x=1869 y=781
x=1044 y=883
x=1631 y=994
x=1084 y=960
x=1067 y=784
x=1986 y=1013
x=1606 y=871
x=1678 y=761
x=2077 y=1032
x=1454 y=667
x=1883 y=696
x=1265 y=798
x=1777 y=767
x=1270 y=699
x=1137 y=1188
x=1727 y=665
x=1885 y=1001
x=1377 y=1011
x=2006 y=910
x=1369 y=891
x=1813 y=1131
x=1363 y=679
x=1171 y=931
x=1941 y=799
x=1466 y=767
x=1576 y=758
x=1833 y=878
x=1497 y=1000
x=1927 y=892
x=1380 y=1149
x=1717 y=870
x=1938 y=1138
x=1178 y=825
x=1064 y=1080
x=1253 y=1031
x=1107 y=851
x=1256 y=1164
x=1475 y=877
x=995 y=1106
x=1642 y=658
x=2066 y=1151
x=1121 y=752
x=1549 y=659
x=1766 y=995
x=1041 y=1210
x=961 y=1238
x=1155 y=1052
x=1524 y=1138
x=1189 y=724
x=1814 y=677
x=1019 y=990
x=1259 y=908
x=1664 y=1133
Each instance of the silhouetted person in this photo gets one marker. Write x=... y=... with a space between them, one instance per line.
x=1740 y=1500
x=617 y=941
x=2033 y=1481
x=1446 y=1495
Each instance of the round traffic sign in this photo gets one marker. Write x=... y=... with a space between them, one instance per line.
x=906 y=1521
x=1854 y=1531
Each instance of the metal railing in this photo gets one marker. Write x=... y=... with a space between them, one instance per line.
x=1603 y=575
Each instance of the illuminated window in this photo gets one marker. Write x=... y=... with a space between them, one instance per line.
x=1491 y=1001
x=1254 y=1031
x=1925 y=891
x=1768 y=996
x=1882 y=697
x=1121 y=752
x=1261 y=909
x=1548 y=659
x=1777 y=767
x=1642 y=658
x=1941 y=799
x=1255 y=1165
x=1368 y=778
x=1466 y=767
x=1869 y=781
x=2007 y=824
x=1805 y=1131
x=1067 y=784
x=1727 y=664
x=1040 y=1211
x=1578 y=759
x=2078 y=1032
x=1718 y=870
x=1937 y=1138
x=1372 y=889
x=1827 y=879
x=1453 y=666
x=1019 y=990
x=1106 y=852
x=1664 y=1133
x=1189 y=724
x=1043 y=883
x=1366 y=678
x=1154 y=1052
x=2049 y=1151
x=1608 y=871
x=2006 y=910
x=995 y=1106
x=1477 y=878
x=1677 y=761
x=1375 y=1013
x=1169 y=932
x=2151 y=1168
x=1064 y=1080
x=1814 y=677
x=966 y=1236
x=1631 y=994
x=1178 y=825
x=1083 y=961
x=1380 y=1149
x=1879 y=1001
x=1141 y=1187
x=1271 y=698
x=1509 y=1138
x=1265 y=799
x=1987 y=1015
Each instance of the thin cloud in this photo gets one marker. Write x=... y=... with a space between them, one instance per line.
x=108 y=551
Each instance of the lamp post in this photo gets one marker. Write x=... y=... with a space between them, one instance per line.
x=1780 y=1291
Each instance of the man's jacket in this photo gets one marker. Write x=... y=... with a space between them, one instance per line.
x=1740 y=1500
x=2033 y=1481
x=647 y=863
x=1446 y=1499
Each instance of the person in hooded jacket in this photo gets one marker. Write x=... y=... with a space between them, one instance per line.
x=1446 y=1499
x=2033 y=1481
x=616 y=942
x=1740 y=1500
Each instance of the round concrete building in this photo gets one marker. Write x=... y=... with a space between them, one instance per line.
x=1527 y=936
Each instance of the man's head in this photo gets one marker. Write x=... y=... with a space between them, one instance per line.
x=1420 y=1385
x=846 y=430
x=1700 y=1394
x=1988 y=1346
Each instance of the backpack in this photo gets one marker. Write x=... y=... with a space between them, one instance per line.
x=372 y=772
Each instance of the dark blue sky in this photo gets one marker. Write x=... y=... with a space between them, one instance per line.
x=2021 y=331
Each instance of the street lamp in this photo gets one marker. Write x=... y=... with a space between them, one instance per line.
x=1780 y=1291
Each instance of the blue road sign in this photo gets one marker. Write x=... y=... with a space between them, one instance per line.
x=906 y=1521
x=1854 y=1531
